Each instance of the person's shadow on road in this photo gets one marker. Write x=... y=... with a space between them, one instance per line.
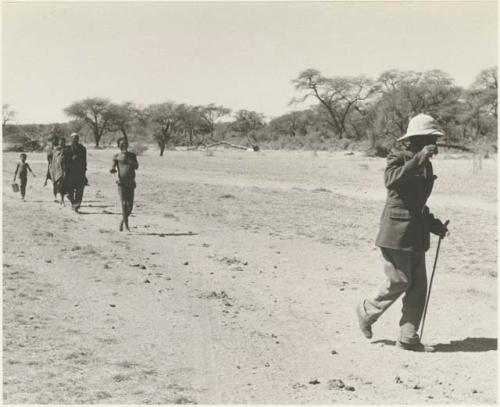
x=464 y=345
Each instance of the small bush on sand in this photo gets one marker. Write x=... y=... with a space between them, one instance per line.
x=378 y=150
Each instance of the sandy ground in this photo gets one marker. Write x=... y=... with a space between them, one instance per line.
x=237 y=284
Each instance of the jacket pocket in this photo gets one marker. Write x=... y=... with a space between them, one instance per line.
x=403 y=214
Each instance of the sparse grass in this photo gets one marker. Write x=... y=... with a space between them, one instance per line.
x=120 y=378
x=127 y=364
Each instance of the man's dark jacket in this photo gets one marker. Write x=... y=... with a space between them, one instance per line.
x=406 y=221
x=76 y=165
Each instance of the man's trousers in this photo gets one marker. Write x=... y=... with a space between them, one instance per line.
x=75 y=195
x=405 y=274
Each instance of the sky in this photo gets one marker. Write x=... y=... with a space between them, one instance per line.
x=241 y=55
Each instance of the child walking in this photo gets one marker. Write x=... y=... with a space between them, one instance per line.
x=22 y=169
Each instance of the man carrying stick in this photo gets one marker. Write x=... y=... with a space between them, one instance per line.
x=75 y=169
x=404 y=233
x=125 y=164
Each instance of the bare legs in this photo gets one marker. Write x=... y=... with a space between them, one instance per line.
x=127 y=202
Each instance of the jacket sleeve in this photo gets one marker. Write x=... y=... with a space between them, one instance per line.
x=398 y=170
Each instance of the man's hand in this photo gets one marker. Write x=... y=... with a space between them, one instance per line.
x=443 y=232
x=429 y=150
x=112 y=170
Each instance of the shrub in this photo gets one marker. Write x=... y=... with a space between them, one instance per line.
x=378 y=150
x=25 y=146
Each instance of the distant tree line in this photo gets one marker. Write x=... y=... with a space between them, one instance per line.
x=346 y=112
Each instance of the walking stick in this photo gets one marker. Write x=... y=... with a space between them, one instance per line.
x=430 y=284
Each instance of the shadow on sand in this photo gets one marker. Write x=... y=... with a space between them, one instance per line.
x=167 y=234
x=464 y=345
x=99 y=213
x=97 y=206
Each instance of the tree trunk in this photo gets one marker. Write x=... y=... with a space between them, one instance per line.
x=97 y=137
x=162 y=149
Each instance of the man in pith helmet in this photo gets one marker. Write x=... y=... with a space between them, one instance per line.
x=404 y=233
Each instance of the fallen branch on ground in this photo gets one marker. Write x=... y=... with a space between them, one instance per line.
x=225 y=143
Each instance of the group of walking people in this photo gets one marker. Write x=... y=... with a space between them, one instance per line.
x=67 y=168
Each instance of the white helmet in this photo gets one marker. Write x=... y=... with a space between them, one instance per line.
x=422 y=125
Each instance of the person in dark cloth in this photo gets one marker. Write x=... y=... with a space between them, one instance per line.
x=125 y=164
x=404 y=234
x=75 y=168
x=22 y=169
x=50 y=156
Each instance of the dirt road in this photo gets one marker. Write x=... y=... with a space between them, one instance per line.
x=237 y=284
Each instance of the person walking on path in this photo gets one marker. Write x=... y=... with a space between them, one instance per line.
x=404 y=234
x=22 y=169
x=57 y=169
x=125 y=164
x=75 y=168
x=50 y=175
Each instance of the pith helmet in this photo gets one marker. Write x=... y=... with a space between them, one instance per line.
x=422 y=125
x=74 y=135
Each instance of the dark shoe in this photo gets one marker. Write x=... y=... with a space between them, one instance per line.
x=415 y=347
x=365 y=327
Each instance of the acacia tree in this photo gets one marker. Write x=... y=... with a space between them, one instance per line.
x=165 y=119
x=339 y=96
x=122 y=117
x=210 y=114
x=7 y=115
x=478 y=116
x=403 y=94
x=485 y=90
x=247 y=123
x=292 y=123
x=191 y=124
x=96 y=113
